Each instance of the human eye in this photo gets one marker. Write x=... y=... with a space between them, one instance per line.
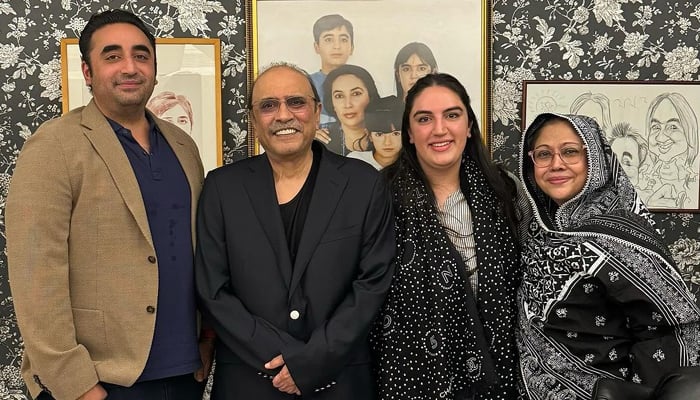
x=396 y=133
x=422 y=119
x=423 y=69
x=328 y=39
x=338 y=96
x=268 y=106
x=453 y=115
x=655 y=126
x=357 y=93
x=405 y=68
x=296 y=102
x=672 y=126
x=542 y=155
x=112 y=57
x=570 y=152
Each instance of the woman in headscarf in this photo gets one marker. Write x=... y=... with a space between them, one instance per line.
x=447 y=330
x=602 y=302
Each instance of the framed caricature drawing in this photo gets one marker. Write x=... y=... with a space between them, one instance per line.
x=652 y=127
x=188 y=92
x=386 y=38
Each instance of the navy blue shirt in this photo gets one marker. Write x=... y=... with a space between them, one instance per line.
x=167 y=198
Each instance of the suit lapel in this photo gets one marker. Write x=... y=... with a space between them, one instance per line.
x=328 y=188
x=106 y=144
x=260 y=189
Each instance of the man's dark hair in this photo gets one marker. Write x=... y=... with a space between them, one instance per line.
x=330 y=22
x=109 y=17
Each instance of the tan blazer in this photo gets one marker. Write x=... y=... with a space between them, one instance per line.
x=82 y=264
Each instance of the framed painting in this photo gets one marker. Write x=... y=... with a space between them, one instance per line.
x=188 y=91
x=651 y=126
x=394 y=41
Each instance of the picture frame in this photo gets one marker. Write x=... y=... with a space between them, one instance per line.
x=457 y=32
x=651 y=125
x=188 y=76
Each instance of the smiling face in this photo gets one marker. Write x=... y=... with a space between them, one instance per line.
x=122 y=69
x=284 y=134
x=413 y=69
x=560 y=181
x=439 y=128
x=350 y=99
x=666 y=134
x=334 y=47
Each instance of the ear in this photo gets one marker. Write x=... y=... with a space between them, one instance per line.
x=469 y=129
x=316 y=48
x=87 y=74
x=410 y=137
x=319 y=107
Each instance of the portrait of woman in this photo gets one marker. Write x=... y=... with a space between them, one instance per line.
x=384 y=127
x=672 y=134
x=602 y=305
x=174 y=108
x=349 y=91
x=447 y=329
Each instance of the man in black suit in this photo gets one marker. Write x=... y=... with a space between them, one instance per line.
x=295 y=256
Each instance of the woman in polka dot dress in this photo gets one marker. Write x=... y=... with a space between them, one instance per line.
x=447 y=328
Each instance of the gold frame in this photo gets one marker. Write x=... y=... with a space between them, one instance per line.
x=182 y=64
x=446 y=38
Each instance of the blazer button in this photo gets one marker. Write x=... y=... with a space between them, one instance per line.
x=152 y=259
x=294 y=314
x=150 y=309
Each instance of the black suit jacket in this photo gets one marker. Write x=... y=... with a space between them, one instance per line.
x=317 y=313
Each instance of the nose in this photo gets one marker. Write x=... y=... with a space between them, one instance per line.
x=386 y=139
x=348 y=102
x=283 y=113
x=336 y=43
x=128 y=66
x=557 y=162
x=439 y=127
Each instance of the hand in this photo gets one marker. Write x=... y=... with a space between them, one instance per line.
x=206 y=353
x=97 y=392
x=323 y=136
x=283 y=381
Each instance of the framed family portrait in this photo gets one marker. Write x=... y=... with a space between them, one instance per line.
x=393 y=41
x=652 y=127
x=188 y=91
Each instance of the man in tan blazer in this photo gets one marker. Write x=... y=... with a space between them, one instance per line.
x=100 y=236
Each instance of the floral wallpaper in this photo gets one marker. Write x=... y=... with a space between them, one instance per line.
x=547 y=39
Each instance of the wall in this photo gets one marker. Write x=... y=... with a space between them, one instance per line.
x=601 y=39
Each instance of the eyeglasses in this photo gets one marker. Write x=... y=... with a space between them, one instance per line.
x=295 y=104
x=569 y=154
x=380 y=134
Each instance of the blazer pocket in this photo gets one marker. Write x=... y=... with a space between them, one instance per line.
x=341 y=233
x=90 y=331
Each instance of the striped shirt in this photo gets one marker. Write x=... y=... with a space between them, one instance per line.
x=456 y=218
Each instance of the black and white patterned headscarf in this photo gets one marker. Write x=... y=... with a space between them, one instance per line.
x=601 y=295
x=435 y=341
